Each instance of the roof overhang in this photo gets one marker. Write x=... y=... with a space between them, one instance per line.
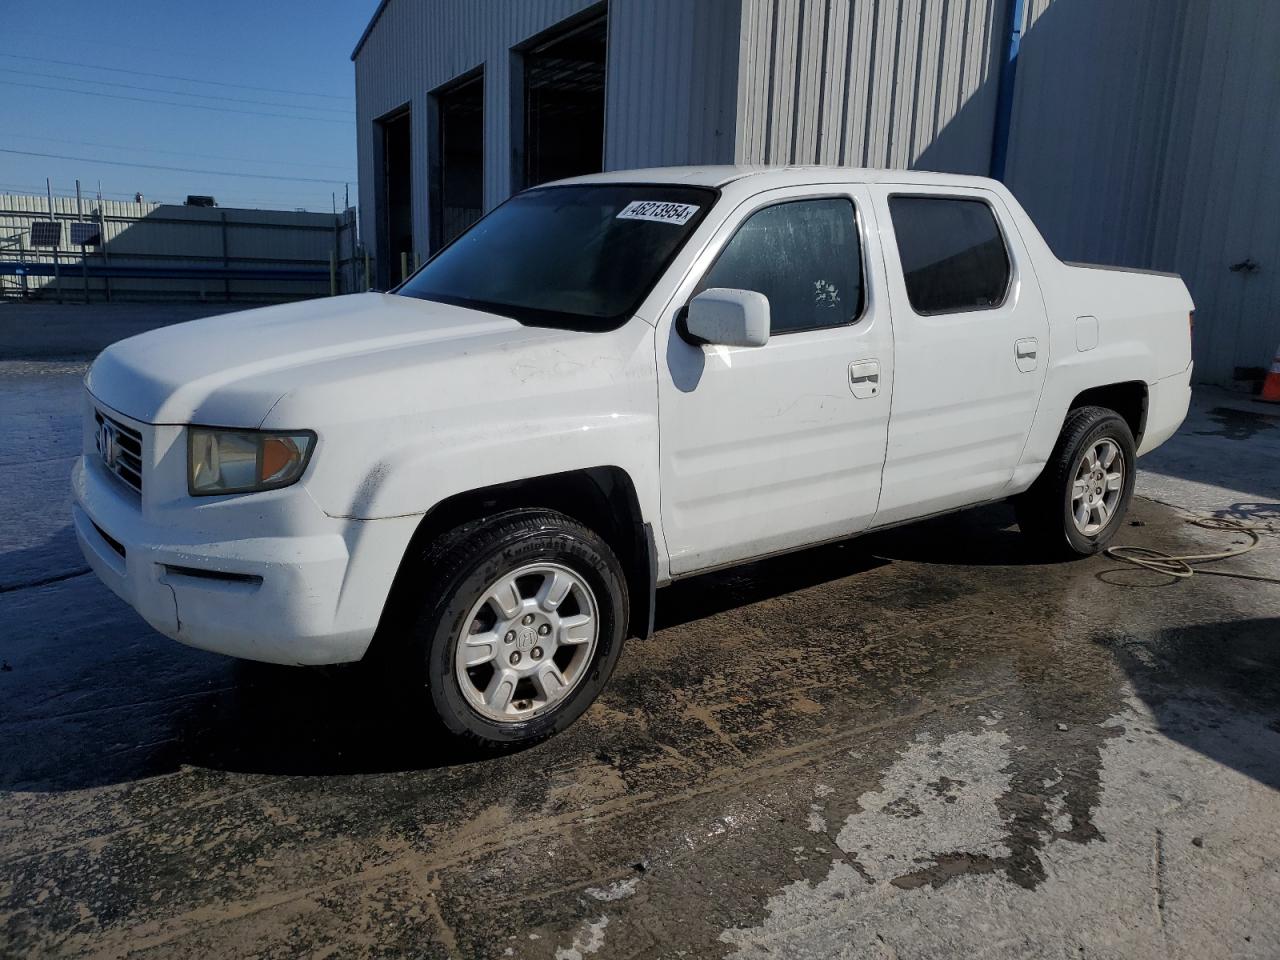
x=369 y=29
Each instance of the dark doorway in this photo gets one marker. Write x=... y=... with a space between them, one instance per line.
x=457 y=170
x=396 y=200
x=564 y=78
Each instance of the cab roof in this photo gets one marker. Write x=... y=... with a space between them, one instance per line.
x=778 y=176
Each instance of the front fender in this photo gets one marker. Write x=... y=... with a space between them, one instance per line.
x=416 y=476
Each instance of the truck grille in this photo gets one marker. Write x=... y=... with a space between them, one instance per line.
x=120 y=447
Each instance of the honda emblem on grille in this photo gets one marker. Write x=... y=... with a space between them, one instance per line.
x=108 y=445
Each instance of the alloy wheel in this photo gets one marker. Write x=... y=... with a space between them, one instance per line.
x=1098 y=487
x=527 y=642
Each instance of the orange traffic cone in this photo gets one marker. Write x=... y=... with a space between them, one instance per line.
x=1271 y=386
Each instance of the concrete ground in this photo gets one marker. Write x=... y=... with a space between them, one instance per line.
x=916 y=744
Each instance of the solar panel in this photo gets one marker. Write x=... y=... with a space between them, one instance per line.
x=85 y=234
x=46 y=233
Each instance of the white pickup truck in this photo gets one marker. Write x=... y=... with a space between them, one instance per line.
x=607 y=384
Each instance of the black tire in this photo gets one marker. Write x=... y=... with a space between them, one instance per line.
x=454 y=573
x=1045 y=511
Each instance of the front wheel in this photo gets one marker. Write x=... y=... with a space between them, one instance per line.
x=1076 y=506
x=521 y=623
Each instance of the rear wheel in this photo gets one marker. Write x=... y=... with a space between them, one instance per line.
x=520 y=624
x=1077 y=504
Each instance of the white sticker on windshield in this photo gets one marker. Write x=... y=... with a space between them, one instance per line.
x=659 y=212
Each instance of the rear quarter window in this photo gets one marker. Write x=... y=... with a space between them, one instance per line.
x=953 y=254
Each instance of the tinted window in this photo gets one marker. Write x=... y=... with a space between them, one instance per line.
x=953 y=255
x=579 y=256
x=804 y=256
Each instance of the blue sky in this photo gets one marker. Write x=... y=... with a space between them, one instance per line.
x=291 y=58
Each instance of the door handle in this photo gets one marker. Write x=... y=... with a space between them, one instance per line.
x=864 y=378
x=1025 y=353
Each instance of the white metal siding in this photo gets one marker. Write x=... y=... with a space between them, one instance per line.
x=879 y=83
x=1147 y=134
x=858 y=82
x=416 y=47
x=670 y=93
x=672 y=82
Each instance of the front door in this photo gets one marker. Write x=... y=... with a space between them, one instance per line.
x=971 y=347
x=768 y=448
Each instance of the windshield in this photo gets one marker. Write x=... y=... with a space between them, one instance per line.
x=583 y=257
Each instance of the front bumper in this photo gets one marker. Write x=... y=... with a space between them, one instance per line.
x=310 y=595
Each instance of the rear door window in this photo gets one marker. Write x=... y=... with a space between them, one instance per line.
x=805 y=256
x=953 y=255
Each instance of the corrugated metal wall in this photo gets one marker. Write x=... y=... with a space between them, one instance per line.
x=1147 y=134
x=670 y=97
x=672 y=82
x=146 y=235
x=879 y=83
x=417 y=47
x=860 y=82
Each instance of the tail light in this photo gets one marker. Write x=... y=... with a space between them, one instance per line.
x=1191 y=324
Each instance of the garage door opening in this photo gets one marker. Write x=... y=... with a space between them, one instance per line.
x=395 y=212
x=564 y=77
x=457 y=169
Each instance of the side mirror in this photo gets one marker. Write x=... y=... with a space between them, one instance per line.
x=734 y=318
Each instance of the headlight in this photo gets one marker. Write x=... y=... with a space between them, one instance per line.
x=244 y=461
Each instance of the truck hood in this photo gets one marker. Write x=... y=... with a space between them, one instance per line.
x=231 y=370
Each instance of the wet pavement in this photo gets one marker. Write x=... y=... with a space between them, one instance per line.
x=916 y=744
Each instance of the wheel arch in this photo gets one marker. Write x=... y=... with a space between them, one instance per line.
x=1046 y=511
x=602 y=498
x=1129 y=399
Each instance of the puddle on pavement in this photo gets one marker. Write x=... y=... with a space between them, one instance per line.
x=1240 y=424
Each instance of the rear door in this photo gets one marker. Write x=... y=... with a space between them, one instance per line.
x=971 y=340
x=773 y=447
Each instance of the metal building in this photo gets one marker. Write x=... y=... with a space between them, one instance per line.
x=462 y=102
x=1147 y=133
x=1140 y=133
